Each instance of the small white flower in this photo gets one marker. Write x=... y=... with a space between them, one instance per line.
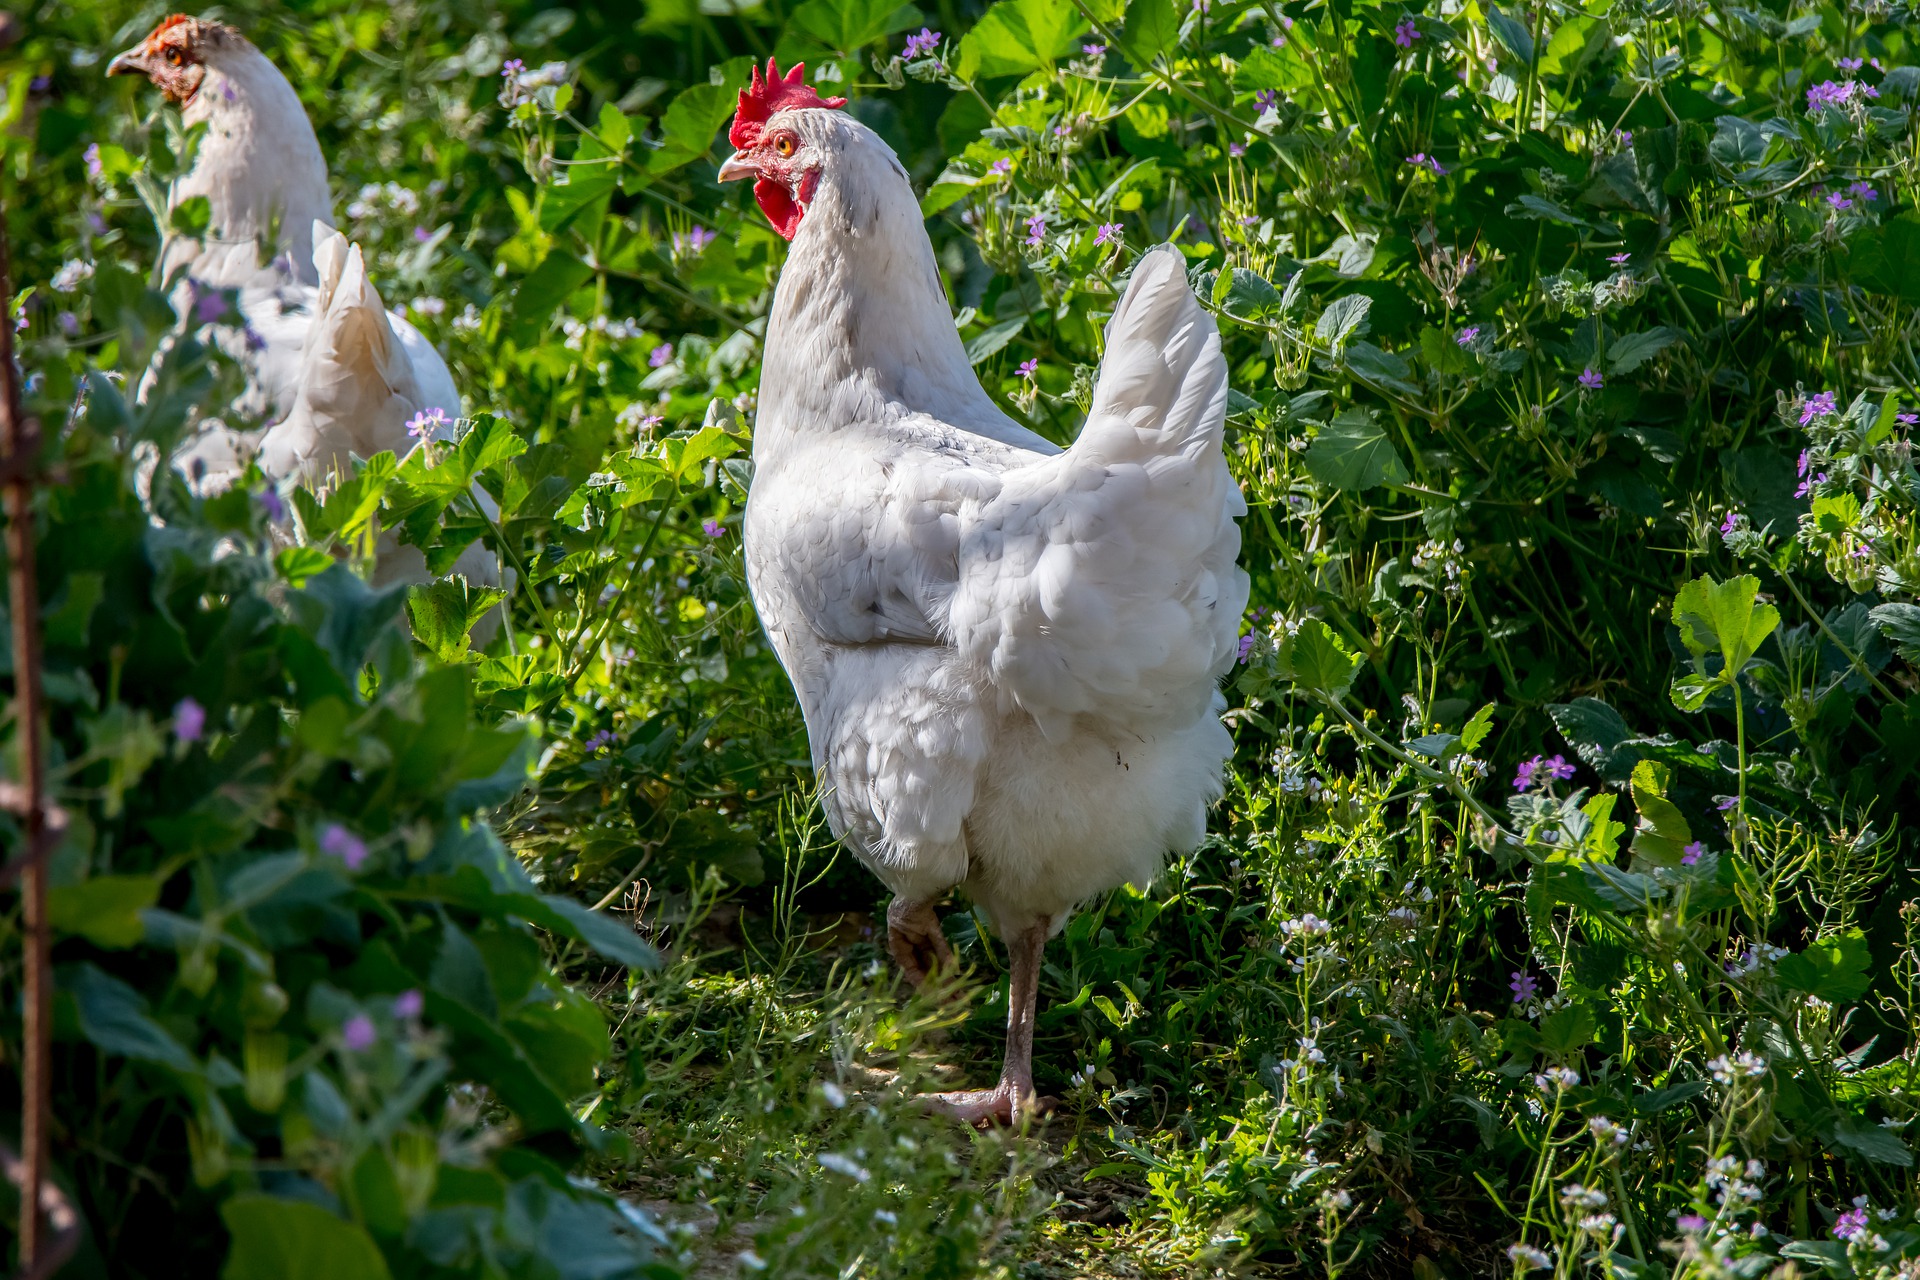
x=1307 y=926
x=752 y=1261
x=428 y=305
x=836 y=1096
x=834 y=1162
x=468 y=321
x=72 y=274
x=1525 y=1255
x=1576 y=1196
x=1309 y=1051
x=1607 y=1132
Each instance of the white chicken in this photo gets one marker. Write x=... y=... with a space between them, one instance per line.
x=1007 y=654
x=261 y=171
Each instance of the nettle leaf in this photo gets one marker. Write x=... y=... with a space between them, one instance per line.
x=1724 y=618
x=1152 y=28
x=444 y=613
x=1602 y=841
x=983 y=346
x=1834 y=514
x=1738 y=144
x=1663 y=833
x=1313 y=657
x=1833 y=969
x=277 y=1239
x=1247 y=295
x=1352 y=453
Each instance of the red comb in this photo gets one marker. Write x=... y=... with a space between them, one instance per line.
x=167 y=24
x=760 y=99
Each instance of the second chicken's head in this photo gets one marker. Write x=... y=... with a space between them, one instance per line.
x=777 y=136
x=174 y=55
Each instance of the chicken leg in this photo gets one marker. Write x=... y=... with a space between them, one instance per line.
x=914 y=940
x=1014 y=1095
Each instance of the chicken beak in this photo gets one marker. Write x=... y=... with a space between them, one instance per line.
x=131 y=63
x=738 y=166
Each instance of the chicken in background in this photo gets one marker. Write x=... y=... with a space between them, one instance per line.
x=261 y=170
x=1007 y=654
x=341 y=375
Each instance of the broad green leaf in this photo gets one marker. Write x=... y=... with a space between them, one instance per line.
x=1566 y=1030
x=983 y=346
x=1738 y=144
x=1352 y=453
x=298 y=564
x=1724 y=618
x=548 y=286
x=1478 y=728
x=1511 y=33
x=1834 y=514
x=1152 y=28
x=1629 y=353
x=1833 y=969
x=685 y=457
x=105 y=910
x=848 y=26
x=1342 y=318
x=67 y=622
x=443 y=614
x=1663 y=833
x=1602 y=842
x=1878 y=1144
x=276 y=1239
x=114 y=1017
x=1313 y=657
x=1899 y=623
x=1018 y=36
x=1657 y=1100
x=1246 y=295
x=615 y=129
x=1690 y=692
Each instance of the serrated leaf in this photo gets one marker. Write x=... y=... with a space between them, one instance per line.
x=1352 y=453
x=1313 y=657
x=1476 y=730
x=984 y=345
x=1663 y=833
x=1899 y=623
x=1629 y=353
x=1724 y=618
x=1833 y=969
x=1511 y=33
x=1341 y=318
x=444 y=613
x=1152 y=28
x=1880 y=1145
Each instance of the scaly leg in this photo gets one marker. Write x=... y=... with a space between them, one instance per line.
x=914 y=940
x=1014 y=1095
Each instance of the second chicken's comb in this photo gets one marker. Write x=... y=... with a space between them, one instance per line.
x=771 y=93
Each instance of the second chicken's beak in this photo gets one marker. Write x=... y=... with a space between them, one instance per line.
x=131 y=63
x=738 y=166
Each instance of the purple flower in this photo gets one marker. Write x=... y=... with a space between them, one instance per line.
x=1557 y=768
x=1806 y=486
x=1421 y=160
x=1623 y=136
x=1246 y=646
x=1691 y=1222
x=1727 y=802
x=1730 y=523
x=599 y=742
x=1036 y=230
x=1278 y=42
x=1848 y=64
x=1028 y=368
x=1467 y=335
x=408 y=1004
x=209 y=305
x=660 y=356
x=1002 y=166
x=274 y=505
x=344 y=845
x=1524 y=986
x=1801 y=470
x=1266 y=100
x=1829 y=93
x=426 y=422
x=94 y=168
x=1850 y=1224
x=694 y=239
x=1109 y=233
x=511 y=68
x=1590 y=379
x=421 y=235
x=189 y=720
x=1691 y=854
x=1907 y=419
x=1405 y=33
x=1524 y=777
x=69 y=323
x=712 y=528
x=1839 y=200
x=358 y=1033
x=1094 y=50
x=919 y=46
x=1862 y=191
x=1620 y=259
x=1235 y=149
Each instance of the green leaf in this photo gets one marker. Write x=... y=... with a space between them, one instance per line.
x=983 y=346
x=1352 y=453
x=1313 y=657
x=1152 y=27
x=1342 y=317
x=1018 y=36
x=1833 y=969
x=548 y=286
x=105 y=910
x=615 y=129
x=114 y=1017
x=1663 y=833
x=1566 y=1030
x=1657 y=1100
x=1478 y=728
x=1602 y=842
x=192 y=216
x=443 y=614
x=1864 y=1138
x=1899 y=623
x=1511 y=33
x=298 y=564
x=65 y=625
x=1724 y=617
x=848 y=26
x=1629 y=353
x=276 y=1239
x=1247 y=295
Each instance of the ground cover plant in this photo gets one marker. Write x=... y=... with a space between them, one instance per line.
x=1560 y=918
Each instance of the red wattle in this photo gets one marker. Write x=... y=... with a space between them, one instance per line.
x=782 y=210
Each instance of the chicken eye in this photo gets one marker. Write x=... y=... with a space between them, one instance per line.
x=784 y=145
x=173 y=56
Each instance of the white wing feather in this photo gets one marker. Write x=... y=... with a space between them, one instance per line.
x=1103 y=579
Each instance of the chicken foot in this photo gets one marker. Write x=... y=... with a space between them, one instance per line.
x=1013 y=1096
x=915 y=941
